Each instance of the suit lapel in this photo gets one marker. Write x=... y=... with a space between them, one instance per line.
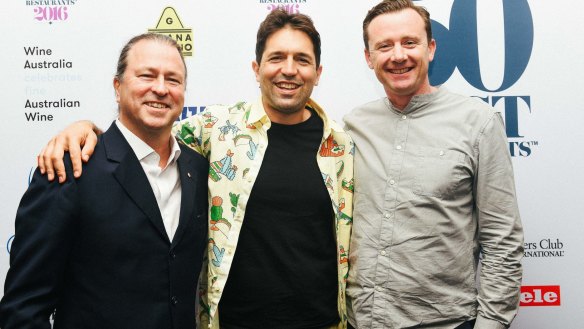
x=131 y=176
x=188 y=180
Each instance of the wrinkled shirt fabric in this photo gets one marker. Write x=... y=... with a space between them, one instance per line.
x=434 y=188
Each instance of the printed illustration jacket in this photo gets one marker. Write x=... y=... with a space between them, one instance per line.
x=234 y=139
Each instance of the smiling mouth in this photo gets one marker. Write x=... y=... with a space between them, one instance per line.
x=400 y=71
x=157 y=105
x=287 y=85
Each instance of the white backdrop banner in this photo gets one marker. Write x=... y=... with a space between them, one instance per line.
x=522 y=57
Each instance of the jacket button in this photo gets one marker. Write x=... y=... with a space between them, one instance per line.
x=172 y=254
x=173 y=300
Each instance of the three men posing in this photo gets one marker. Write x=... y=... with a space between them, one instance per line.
x=433 y=189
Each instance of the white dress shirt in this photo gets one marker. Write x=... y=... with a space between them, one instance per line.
x=165 y=181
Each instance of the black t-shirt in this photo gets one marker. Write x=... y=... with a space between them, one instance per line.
x=284 y=272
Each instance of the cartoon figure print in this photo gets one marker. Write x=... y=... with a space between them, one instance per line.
x=218 y=222
x=209 y=120
x=217 y=253
x=344 y=258
x=243 y=139
x=226 y=129
x=341 y=214
x=330 y=148
x=224 y=166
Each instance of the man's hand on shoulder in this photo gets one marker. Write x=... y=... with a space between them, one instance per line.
x=72 y=138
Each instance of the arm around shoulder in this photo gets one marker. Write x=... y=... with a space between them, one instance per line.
x=72 y=138
x=195 y=131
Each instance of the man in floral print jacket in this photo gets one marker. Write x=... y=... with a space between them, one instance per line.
x=238 y=247
x=280 y=184
x=281 y=191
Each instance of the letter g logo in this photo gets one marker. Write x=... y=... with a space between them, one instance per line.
x=458 y=47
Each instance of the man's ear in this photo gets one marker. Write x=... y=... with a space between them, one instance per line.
x=368 y=58
x=318 y=73
x=116 y=89
x=431 y=49
x=256 y=69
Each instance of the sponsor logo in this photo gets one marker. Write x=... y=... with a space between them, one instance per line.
x=540 y=296
x=171 y=25
x=50 y=10
x=43 y=60
x=458 y=48
x=544 y=248
x=189 y=111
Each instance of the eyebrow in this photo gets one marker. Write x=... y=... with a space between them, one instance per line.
x=296 y=54
x=407 y=36
x=168 y=73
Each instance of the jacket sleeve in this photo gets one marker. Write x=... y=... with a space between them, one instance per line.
x=192 y=133
x=39 y=253
x=500 y=229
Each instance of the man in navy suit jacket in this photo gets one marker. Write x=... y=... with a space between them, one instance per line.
x=122 y=246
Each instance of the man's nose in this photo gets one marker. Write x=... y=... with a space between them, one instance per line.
x=289 y=67
x=159 y=86
x=398 y=54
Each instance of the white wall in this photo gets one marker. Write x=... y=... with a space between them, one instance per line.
x=547 y=156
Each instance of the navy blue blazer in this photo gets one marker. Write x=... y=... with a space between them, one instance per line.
x=95 y=249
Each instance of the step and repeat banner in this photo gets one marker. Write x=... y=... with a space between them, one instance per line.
x=522 y=57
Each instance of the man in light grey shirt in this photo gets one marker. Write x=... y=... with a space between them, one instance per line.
x=434 y=188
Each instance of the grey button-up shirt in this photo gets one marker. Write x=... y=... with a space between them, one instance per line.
x=434 y=188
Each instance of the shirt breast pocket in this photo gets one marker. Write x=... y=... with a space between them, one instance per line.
x=438 y=172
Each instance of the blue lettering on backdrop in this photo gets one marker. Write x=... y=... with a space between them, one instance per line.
x=190 y=111
x=458 y=47
x=511 y=112
x=511 y=104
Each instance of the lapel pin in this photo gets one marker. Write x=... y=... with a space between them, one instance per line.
x=189 y=174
